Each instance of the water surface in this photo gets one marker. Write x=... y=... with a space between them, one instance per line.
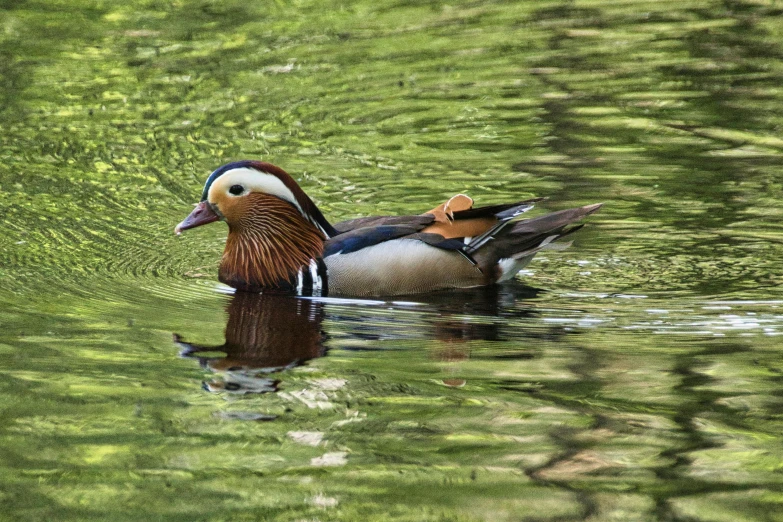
x=635 y=376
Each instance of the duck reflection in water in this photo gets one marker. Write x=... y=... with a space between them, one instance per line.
x=265 y=334
x=269 y=333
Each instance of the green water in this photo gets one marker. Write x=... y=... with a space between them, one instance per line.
x=635 y=376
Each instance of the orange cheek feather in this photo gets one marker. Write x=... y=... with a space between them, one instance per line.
x=234 y=210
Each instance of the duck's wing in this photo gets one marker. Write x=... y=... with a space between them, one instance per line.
x=453 y=218
x=505 y=251
x=445 y=227
x=364 y=237
x=443 y=213
x=418 y=222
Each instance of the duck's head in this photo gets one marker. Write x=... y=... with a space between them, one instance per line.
x=238 y=191
x=274 y=227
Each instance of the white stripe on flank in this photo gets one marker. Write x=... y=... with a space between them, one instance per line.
x=317 y=283
x=299 y=282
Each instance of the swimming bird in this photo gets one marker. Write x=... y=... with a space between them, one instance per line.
x=279 y=241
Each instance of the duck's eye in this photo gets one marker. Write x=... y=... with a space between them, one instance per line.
x=236 y=189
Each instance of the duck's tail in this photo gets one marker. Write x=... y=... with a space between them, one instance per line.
x=503 y=251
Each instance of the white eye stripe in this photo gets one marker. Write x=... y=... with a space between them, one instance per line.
x=252 y=180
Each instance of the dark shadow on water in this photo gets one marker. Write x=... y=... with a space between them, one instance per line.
x=484 y=300
x=469 y=314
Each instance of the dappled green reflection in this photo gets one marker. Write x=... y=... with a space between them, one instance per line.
x=641 y=382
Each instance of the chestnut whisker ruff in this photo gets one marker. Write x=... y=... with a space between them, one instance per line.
x=279 y=241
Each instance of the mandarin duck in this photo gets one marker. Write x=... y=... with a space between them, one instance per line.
x=279 y=241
